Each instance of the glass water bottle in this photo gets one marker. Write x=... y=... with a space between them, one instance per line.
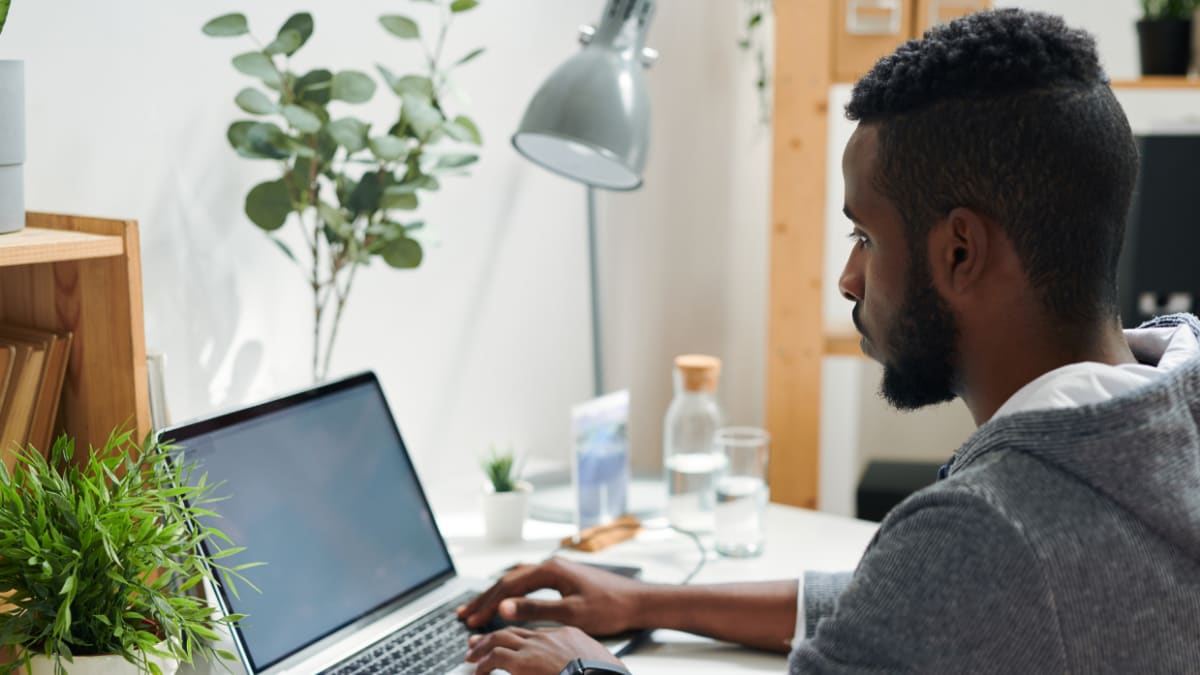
x=690 y=461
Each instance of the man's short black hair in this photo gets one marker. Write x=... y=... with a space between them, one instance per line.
x=1008 y=112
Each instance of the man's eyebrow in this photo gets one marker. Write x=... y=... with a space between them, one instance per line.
x=850 y=214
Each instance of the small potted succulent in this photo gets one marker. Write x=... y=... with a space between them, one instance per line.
x=100 y=557
x=1165 y=36
x=505 y=498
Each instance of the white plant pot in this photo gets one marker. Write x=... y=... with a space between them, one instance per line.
x=98 y=665
x=12 y=146
x=504 y=512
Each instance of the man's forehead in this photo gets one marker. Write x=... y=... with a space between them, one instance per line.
x=860 y=149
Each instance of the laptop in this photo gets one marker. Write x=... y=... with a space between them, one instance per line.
x=321 y=488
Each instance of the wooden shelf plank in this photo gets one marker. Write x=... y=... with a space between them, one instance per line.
x=40 y=245
x=843 y=344
x=1159 y=82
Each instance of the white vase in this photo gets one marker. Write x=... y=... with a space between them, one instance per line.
x=12 y=146
x=108 y=664
x=504 y=512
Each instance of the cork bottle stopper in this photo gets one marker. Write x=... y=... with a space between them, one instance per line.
x=700 y=372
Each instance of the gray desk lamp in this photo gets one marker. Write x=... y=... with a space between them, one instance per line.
x=590 y=121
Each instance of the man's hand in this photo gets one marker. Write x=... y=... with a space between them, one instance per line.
x=534 y=652
x=599 y=602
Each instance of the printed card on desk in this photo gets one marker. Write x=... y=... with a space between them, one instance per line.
x=600 y=468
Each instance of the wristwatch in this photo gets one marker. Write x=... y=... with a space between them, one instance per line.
x=590 y=667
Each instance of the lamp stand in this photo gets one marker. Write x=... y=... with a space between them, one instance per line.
x=597 y=346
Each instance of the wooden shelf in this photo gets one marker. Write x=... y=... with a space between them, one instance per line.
x=1159 y=82
x=42 y=245
x=843 y=344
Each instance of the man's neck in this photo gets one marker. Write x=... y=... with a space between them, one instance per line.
x=1013 y=359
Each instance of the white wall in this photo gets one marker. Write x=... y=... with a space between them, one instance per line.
x=489 y=340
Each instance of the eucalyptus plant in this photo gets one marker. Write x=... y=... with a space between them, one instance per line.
x=98 y=556
x=350 y=186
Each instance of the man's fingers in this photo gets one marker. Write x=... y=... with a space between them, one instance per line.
x=501 y=658
x=524 y=579
x=530 y=609
x=509 y=638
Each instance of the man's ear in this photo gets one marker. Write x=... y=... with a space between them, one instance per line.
x=959 y=250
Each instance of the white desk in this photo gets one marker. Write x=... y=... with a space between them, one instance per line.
x=796 y=540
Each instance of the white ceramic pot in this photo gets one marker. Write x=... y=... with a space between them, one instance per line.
x=504 y=512
x=98 y=665
x=12 y=146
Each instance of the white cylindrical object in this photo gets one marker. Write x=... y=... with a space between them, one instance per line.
x=504 y=513
x=12 y=146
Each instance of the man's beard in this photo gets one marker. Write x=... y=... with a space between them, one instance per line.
x=919 y=370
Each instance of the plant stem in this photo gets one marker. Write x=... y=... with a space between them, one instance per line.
x=342 y=295
x=317 y=304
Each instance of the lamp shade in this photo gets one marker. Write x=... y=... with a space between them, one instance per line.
x=590 y=120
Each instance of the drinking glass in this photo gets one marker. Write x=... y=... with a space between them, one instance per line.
x=741 y=499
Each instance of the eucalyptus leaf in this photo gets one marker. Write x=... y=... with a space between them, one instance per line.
x=463 y=5
x=404 y=253
x=287 y=42
x=288 y=252
x=268 y=204
x=389 y=78
x=255 y=102
x=405 y=200
x=388 y=148
x=331 y=215
x=302 y=25
x=471 y=56
x=456 y=161
x=315 y=86
x=417 y=85
x=258 y=64
x=368 y=192
x=301 y=119
x=259 y=140
x=349 y=133
x=352 y=86
x=463 y=129
x=400 y=26
x=226 y=25
x=421 y=115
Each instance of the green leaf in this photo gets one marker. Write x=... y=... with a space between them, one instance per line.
x=388 y=148
x=301 y=119
x=255 y=102
x=288 y=252
x=314 y=86
x=367 y=194
x=287 y=42
x=416 y=85
x=68 y=585
x=421 y=115
x=469 y=57
x=403 y=253
x=331 y=215
x=755 y=19
x=400 y=26
x=302 y=25
x=264 y=140
x=226 y=25
x=352 y=86
x=268 y=204
x=394 y=198
x=463 y=5
x=456 y=161
x=463 y=129
x=258 y=64
x=349 y=133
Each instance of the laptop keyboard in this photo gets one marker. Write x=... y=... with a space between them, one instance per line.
x=432 y=645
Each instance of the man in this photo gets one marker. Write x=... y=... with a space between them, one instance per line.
x=988 y=183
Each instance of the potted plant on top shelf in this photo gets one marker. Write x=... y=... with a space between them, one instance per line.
x=12 y=138
x=1165 y=36
x=100 y=558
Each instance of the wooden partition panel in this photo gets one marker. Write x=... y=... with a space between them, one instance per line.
x=803 y=69
x=89 y=284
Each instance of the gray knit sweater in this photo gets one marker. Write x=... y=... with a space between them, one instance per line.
x=1063 y=541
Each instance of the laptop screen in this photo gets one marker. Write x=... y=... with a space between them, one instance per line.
x=319 y=486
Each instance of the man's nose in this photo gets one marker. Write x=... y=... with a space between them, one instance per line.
x=851 y=282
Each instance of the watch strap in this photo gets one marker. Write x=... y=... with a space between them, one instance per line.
x=592 y=667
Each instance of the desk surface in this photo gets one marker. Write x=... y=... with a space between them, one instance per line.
x=797 y=540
